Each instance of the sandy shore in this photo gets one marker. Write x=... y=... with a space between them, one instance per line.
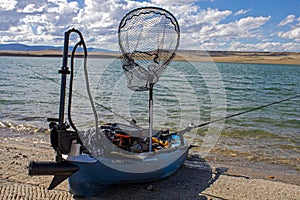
x=197 y=179
x=290 y=58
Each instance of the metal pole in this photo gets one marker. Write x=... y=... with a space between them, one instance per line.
x=64 y=71
x=150 y=115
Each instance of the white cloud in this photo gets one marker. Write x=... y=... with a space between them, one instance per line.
x=62 y=7
x=265 y=46
x=173 y=2
x=31 y=8
x=241 y=12
x=293 y=34
x=193 y=20
x=252 y=22
x=289 y=19
x=38 y=22
x=7 y=5
x=214 y=16
x=44 y=21
x=242 y=28
x=294 y=30
x=100 y=23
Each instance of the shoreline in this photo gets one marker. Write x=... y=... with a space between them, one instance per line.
x=220 y=153
x=198 y=178
x=289 y=58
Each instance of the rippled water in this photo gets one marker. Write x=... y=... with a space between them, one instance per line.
x=187 y=93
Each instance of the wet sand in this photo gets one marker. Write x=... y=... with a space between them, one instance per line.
x=197 y=179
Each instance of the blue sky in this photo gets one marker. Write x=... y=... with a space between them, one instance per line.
x=225 y=25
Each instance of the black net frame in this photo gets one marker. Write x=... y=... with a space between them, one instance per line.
x=148 y=39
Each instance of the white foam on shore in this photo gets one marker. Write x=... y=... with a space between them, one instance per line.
x=24 y=128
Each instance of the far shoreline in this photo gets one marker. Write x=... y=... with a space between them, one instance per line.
x=288 y=58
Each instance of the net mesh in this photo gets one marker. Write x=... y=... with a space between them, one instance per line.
x=148 y=39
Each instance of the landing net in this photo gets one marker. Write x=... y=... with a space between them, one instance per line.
x=148 y=39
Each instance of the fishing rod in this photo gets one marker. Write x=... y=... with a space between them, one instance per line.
x=188 y=129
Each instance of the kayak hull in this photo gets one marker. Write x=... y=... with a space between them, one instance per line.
x=93 y=178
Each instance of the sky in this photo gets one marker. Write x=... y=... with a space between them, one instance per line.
x=211 y=25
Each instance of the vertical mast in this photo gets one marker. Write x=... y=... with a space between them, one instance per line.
x=64 y=71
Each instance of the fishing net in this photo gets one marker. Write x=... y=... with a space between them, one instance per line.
x=148 y=39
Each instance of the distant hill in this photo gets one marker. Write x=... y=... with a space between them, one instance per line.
x=292 y=58
x=23 y=47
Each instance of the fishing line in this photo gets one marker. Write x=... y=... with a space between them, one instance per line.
x=81 y=95
x=187 y=129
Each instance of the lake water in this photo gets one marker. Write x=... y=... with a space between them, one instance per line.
x=187 y=93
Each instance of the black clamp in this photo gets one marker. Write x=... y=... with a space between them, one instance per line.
x=64 y=71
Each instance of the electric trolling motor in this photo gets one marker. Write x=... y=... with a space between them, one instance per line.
x=63 y=141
